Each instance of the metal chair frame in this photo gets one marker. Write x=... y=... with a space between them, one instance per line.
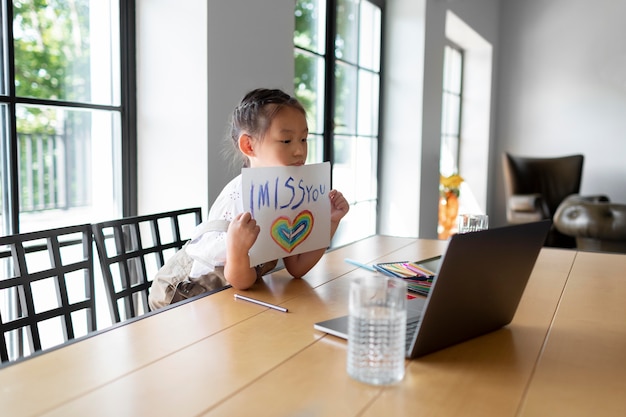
x=126 y=250
x=20 y=280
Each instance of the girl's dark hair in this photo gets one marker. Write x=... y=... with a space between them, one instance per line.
x=255 y=113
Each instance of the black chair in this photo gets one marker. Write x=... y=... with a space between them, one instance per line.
x=131 y=251
x=46 y=288
x=534 y=188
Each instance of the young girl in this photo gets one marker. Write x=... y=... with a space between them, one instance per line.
x=269 y=128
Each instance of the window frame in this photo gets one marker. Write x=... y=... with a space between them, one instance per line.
x=444 y=133
x=127 y=110
x=330 y=64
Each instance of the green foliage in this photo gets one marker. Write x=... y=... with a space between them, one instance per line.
x=52 y=62
x=51 y=57
x=305 y=64
x=305 y=13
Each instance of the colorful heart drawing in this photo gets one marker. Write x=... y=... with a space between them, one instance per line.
x=288 y=235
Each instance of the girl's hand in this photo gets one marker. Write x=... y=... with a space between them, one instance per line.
x=298 y=265
x=242 y=233
x=339 y=206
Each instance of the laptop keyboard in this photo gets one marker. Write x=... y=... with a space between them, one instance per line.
x=411 y=327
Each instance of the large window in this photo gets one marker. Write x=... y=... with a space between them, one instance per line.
x=449 y=161
x=66 y=107
x=67 y=142
x=451 y=110
x=337 y=78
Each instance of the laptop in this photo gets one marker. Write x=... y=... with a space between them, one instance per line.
x=476 y=290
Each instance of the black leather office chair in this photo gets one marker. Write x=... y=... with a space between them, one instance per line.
x=46 y=282
x=131 y=251
x=534 y=188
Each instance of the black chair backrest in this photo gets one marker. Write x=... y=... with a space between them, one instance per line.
x=46 y=289
x=131 y=251
x=553 y=178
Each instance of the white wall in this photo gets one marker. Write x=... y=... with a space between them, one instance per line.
x=196 y=60
x=171 y=105
x=562 y=89
x=250 y=45
x=560 y=67
x=403 y=84
x=476 y=113
x=412 y=101
x=183 y=119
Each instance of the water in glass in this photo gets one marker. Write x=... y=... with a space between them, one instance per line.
x=376 y=331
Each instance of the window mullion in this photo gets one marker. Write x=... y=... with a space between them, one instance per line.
x=329 y=95
x=129 y=101
x=459 y=126
x=11 y=211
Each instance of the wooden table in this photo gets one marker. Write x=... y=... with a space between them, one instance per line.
x=563 y=354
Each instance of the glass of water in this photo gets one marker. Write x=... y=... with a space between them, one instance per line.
x=472 y=222
x=377 y=329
